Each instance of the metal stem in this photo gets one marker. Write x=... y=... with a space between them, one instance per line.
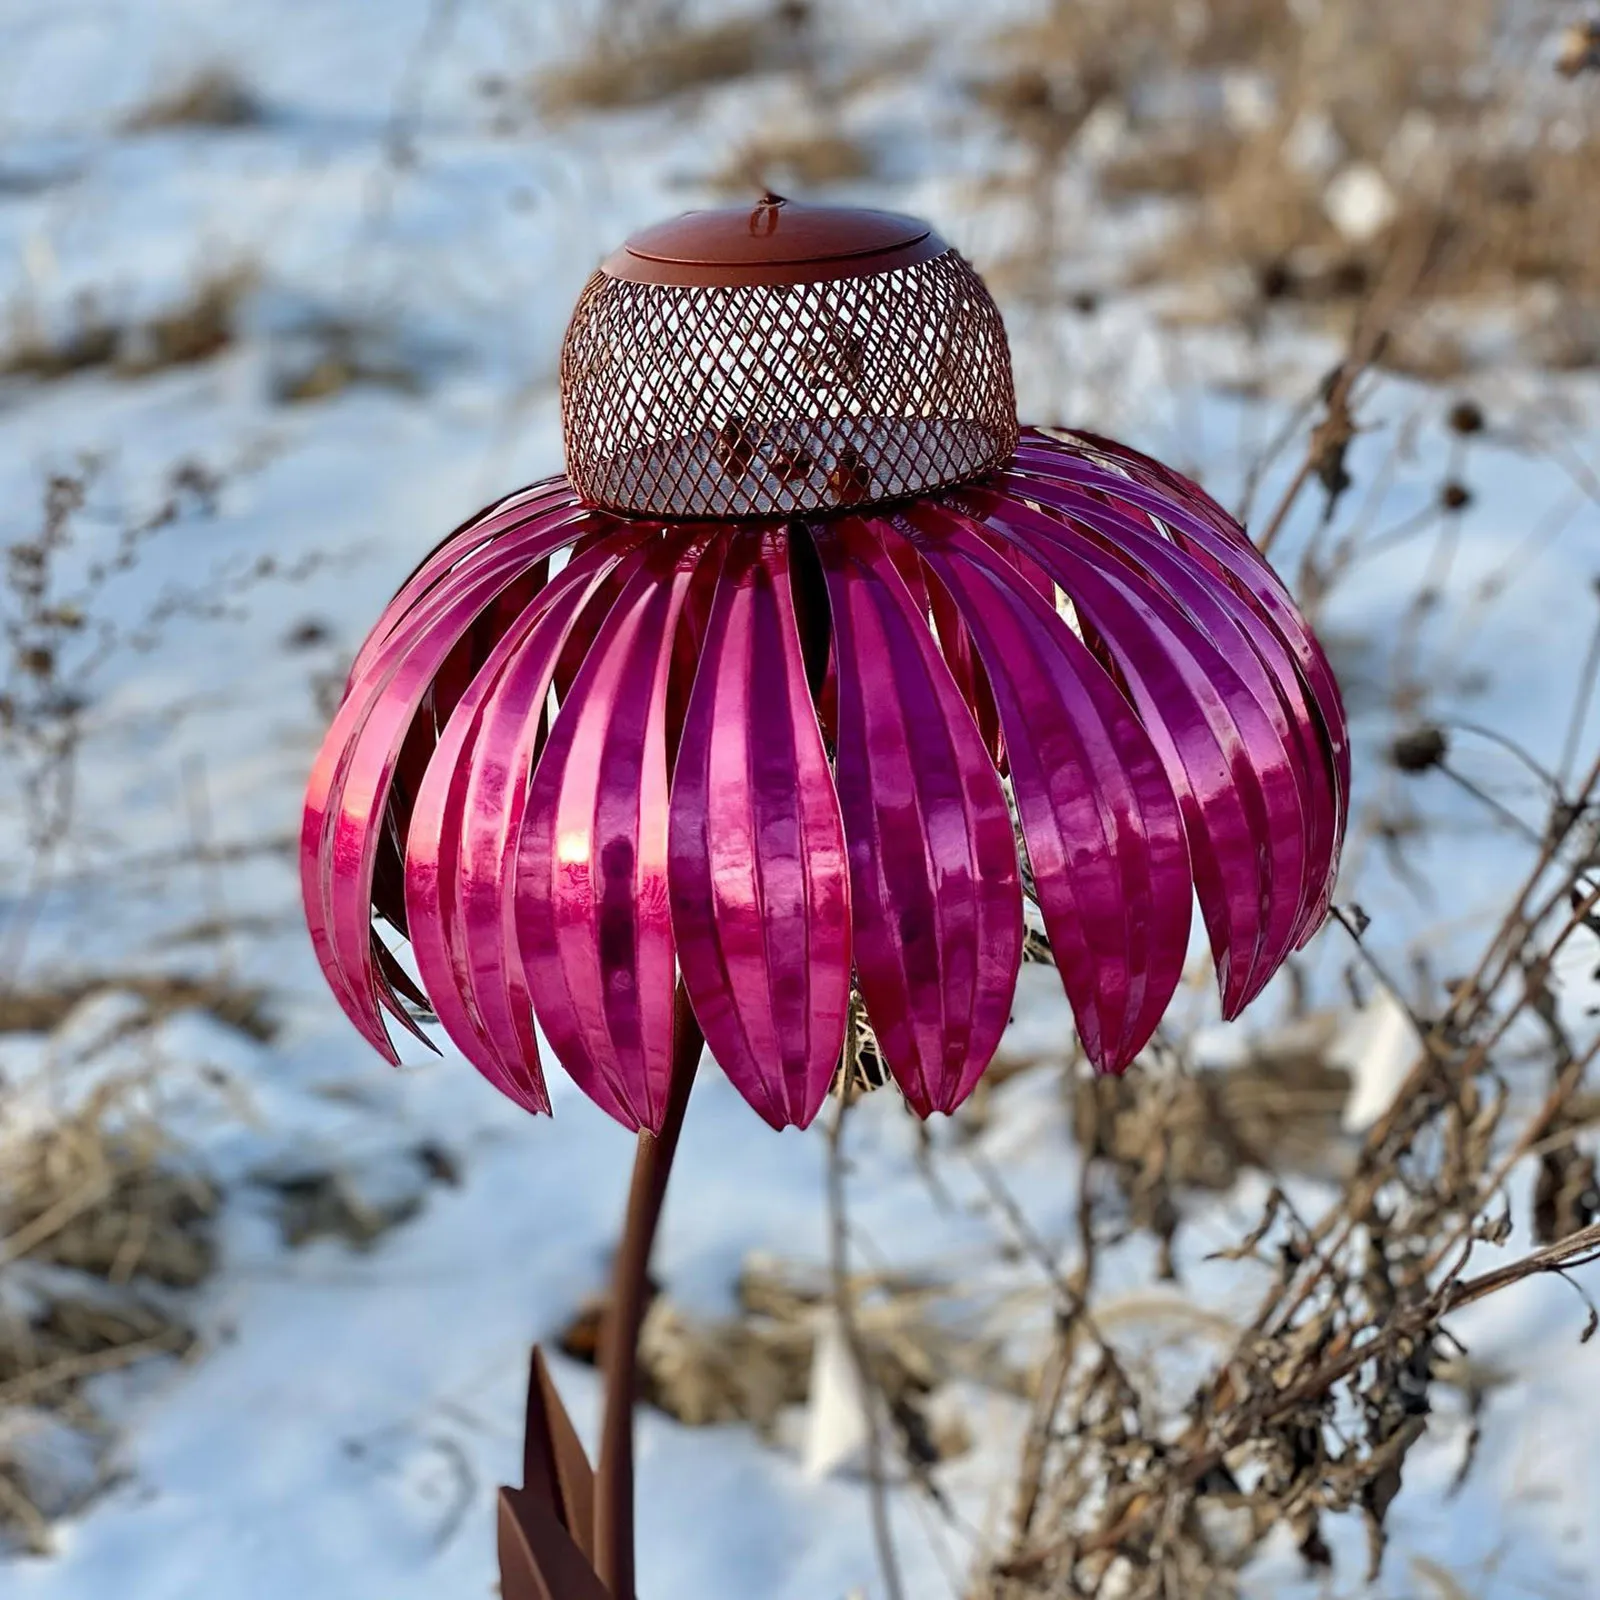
x=613 y=1513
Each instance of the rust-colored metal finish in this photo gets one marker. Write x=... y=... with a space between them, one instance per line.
x=775 y=241
x=546 y=1528
x=783 y=359
x=567 y=1533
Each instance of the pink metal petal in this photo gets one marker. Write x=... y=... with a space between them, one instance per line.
x=472 y=540
x=935 y=888
x=468 y=811
x=497 y=795
x=592 y=919
x=967 y=671
x=758 y=872
x=1224 y=756
x=689 y=642
x=449 y=684
x=346 y=796
x=1199 y=525
x=1103 y=828
x=1250 y=644
x=432 y=902
x=1144 y=469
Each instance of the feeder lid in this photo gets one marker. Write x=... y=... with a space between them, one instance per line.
x=776 y=241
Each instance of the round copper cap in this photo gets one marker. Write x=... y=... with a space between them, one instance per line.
x=774 y=241
x=781 y=359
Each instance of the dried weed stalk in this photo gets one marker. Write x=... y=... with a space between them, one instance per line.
x=1320 y=1395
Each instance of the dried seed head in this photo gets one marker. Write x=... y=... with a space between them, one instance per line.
x=1455 y=496
x=850 y=482
x=1275 y=280
x=1419 y=749
x=733 y=448
x=1466 y=416
x=788 y=465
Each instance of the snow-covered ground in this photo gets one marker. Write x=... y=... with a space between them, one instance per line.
x=343 y=1431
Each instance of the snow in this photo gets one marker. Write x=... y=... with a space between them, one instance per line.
x=343 y=1431
x=838 y=1422
x=1359 y=202
x=1376 y=1049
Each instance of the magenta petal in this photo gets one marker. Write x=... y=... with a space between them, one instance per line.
x=497 y=791
x=458 y=882
x=438 y=937
x=966 y=669
x=414 y=655
x=1223 y=755
x=592 y=919
x=1103 y=828
x=449 y=684
x=488 y=572
x=1200 y=526
x=1251 y=646
x=935 y=887
x=758 y=872
x=347 y=793
x=1147 y=470
x=474 y=540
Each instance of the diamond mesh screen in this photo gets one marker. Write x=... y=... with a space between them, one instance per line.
x=764 y=400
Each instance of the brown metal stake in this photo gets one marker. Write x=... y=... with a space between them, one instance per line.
x=613 y=1520
x=567 y=1533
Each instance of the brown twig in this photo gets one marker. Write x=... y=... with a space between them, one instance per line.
x=1189 y=1469
x=1331 y=436
x=844 y=1302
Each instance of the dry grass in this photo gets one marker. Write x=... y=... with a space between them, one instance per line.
x=212 y=97
x=1114 y=1497
x=39 y=1008
x=106 y=1223
x=328 y=354
x=751 y=1367
x=1135 y=1485
x=357 y=1207
x=196 y=329
x=101 y=1222
x=333 y=354
x=1162 y=1134
x=784 y=163
x=93 y=1193
x=705 y=1373
x=1258 y=120
x=639 y=59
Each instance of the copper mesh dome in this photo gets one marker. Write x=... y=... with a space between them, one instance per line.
x=782 y=359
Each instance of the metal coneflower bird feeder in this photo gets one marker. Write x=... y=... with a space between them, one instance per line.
x=736 y=719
